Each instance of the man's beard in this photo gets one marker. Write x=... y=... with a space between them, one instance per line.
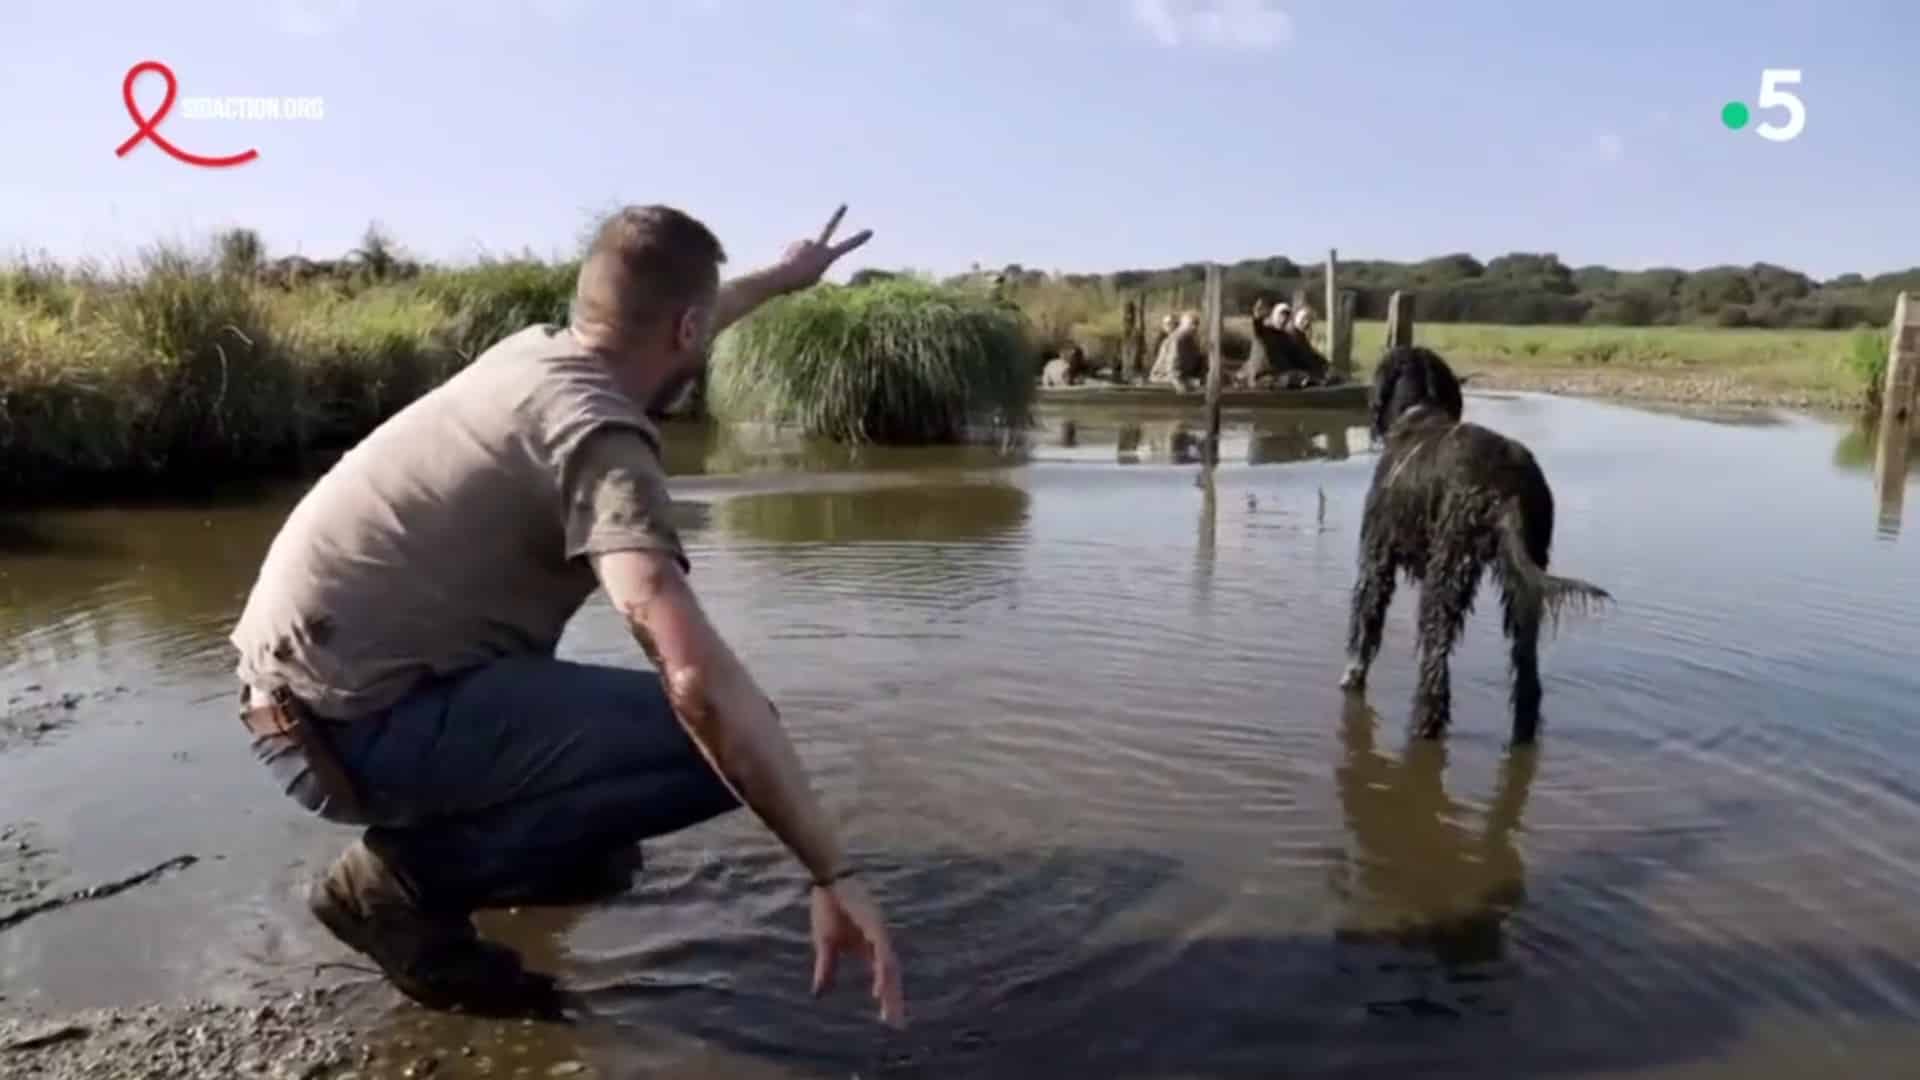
x=672 y=390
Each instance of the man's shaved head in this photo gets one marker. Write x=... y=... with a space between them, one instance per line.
x=645 y=263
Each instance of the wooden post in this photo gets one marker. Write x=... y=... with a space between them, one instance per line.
x=1897 y=401
x=1203 y=552
x=1332 y=314
x=1399 y=319
x=1216 y=359
x=1340 y=334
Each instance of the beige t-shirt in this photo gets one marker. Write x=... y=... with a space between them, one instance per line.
x=455 y=533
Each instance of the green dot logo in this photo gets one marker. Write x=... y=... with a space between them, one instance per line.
x=1734 y=114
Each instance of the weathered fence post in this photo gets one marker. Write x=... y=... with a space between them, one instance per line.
x=1216 y=359
x=1132 y=338
x=1333 y=312
x=1399 y=319
x=1897 y=400
x=1340 y=334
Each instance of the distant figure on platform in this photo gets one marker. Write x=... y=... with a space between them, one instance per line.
x=1159 y=342
x=1181 y=363
x=1067 y=369
x=1259 y=369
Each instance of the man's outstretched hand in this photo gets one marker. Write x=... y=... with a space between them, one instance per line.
x=806 y=260
x=846 y=920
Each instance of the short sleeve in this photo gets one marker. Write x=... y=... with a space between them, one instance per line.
x=614 y=491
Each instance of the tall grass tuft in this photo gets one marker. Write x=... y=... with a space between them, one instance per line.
x=488 y=301
x=1867 y=358
x=173 y=369
x=895 y=362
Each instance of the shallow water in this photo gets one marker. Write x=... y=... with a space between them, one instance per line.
x=1081 y=717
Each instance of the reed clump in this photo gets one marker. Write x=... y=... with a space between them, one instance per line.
x=899 y=361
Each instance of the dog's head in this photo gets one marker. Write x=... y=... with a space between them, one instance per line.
x=1410 y=377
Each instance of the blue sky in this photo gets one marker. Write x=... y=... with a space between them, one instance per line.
x=1071 y=135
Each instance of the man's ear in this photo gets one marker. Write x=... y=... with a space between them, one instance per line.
x=686 y=328
x=690 y=330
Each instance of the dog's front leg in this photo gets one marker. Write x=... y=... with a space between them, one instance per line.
x=1372 y=595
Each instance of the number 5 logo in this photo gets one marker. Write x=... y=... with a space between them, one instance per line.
x=1771 y=95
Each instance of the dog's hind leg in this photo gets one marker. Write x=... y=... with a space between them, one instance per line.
x=1446 y=599
x=1372 y=594
x=1523 y=632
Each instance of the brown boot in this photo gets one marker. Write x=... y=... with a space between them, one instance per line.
x=436 y=959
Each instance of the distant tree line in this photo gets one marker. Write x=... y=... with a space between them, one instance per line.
x=1523 y=289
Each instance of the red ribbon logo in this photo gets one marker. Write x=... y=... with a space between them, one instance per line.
x=147 y=127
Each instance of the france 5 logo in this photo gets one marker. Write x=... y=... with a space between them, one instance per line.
x=1735 y=114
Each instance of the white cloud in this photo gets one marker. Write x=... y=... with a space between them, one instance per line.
x=1223 y=24
x=1608 y=146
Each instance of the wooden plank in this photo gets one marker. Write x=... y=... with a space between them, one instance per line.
x=1216 y=360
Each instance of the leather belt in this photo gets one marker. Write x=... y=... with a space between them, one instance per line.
x=287 y=716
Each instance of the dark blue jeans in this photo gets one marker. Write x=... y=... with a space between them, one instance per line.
x=494 y=782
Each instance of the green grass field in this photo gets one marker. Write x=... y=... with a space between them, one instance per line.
x=1824 y=368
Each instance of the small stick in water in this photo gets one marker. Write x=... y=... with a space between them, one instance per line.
x=95 y=892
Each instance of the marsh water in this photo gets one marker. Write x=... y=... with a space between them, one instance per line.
x=1079 y=717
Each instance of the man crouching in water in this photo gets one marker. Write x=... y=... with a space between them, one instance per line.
x=397 y=651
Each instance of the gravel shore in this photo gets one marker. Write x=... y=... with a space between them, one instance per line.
x=289 y=1036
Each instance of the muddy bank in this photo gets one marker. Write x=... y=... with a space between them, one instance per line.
x=36 y=713
x=298 y=1035
x=1672 y=387
x=25 y=866
x=331 y=1032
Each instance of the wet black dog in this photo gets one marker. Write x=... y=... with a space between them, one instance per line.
x=1449 y=500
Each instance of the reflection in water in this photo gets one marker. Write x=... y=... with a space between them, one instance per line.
x=1890 y=466
x=1871 y=447
x=1183 y=444
x=1265 y=437
x=1299 y=437
x=1856 y=448
x=1209 y=524
x=79 y=583
x=927 y=513
x=1422 y=876
x=694 y=449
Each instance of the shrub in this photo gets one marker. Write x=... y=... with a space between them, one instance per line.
x=897 y=362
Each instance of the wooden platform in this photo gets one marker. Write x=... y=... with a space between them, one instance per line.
x=1348 y=396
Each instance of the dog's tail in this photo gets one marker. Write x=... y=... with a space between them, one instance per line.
x=1532 y=587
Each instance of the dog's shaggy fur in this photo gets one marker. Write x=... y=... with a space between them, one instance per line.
x=1449 y=500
